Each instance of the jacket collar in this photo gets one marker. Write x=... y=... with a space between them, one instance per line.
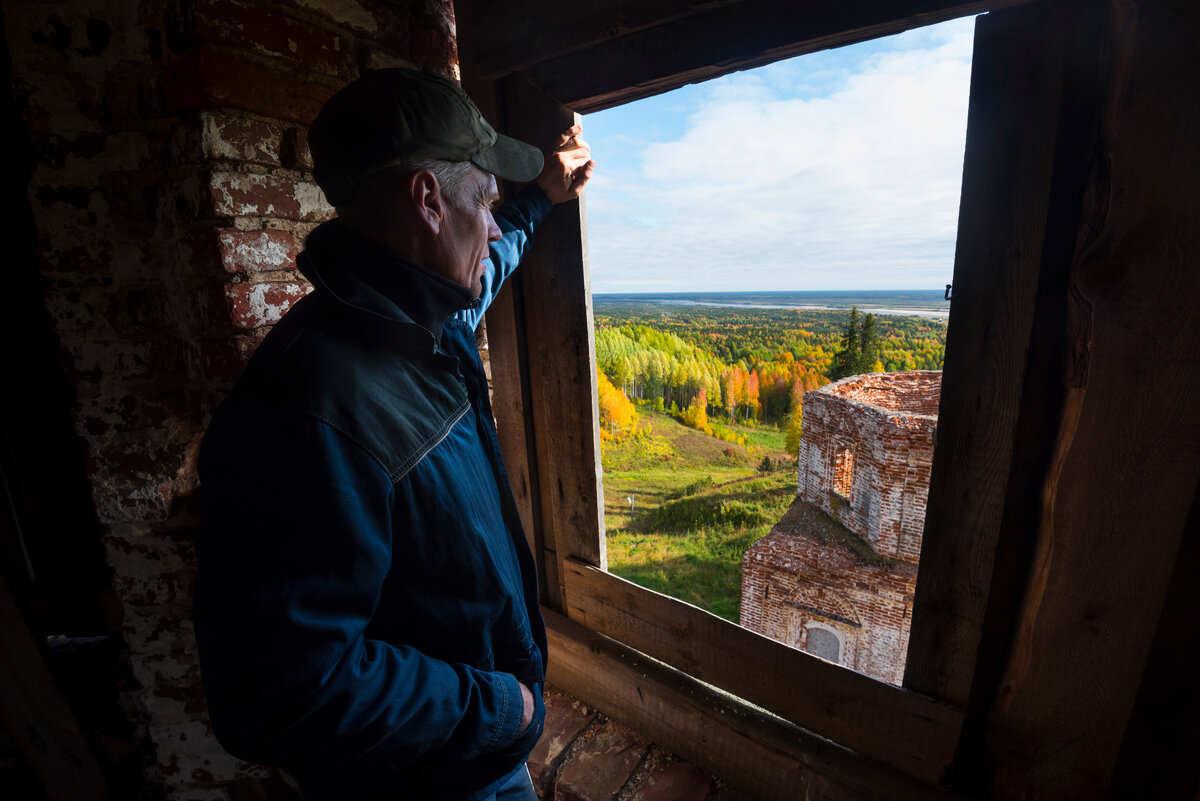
x=375 y=280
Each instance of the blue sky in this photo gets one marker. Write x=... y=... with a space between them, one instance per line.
x=835 y=170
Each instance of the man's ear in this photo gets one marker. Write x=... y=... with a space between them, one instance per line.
x=428 y=200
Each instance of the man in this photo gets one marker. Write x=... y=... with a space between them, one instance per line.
x=366 y=605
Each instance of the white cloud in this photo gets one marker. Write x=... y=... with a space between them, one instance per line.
x=855 y=189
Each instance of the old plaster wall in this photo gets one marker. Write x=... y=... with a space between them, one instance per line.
x=170 y=192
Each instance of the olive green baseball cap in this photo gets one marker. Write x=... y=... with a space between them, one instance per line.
x=400 y=116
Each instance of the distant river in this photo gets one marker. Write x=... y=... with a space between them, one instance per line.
x=919 y=303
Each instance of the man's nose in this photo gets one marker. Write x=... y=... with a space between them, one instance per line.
x=493 y=230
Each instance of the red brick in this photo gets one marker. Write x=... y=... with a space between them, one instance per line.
x=222 y=358
x=239 y=194
x=247 y=344
x=566 y=717
x=432 y=50
x=198 y=79
x=600 y=766
x=727 y=793
x=265 y=32
x=673 y=781
x=256 y=251
x=295 y=151
x=240 y=138
x=256 y=305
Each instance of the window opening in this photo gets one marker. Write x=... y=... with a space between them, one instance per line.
x=843 y=471
x=758 y=381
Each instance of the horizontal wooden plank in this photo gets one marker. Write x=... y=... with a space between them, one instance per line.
x=759 y=753
x=727 y=38
x=890 y=724
x=523 y=32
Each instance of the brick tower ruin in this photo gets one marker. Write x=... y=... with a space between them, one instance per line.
x=836 y=576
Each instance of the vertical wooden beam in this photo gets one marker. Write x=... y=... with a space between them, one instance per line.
x=510 y=379
x=36 y=717
x=1009 y=157
x=1105 y=465
x=1160 y=755
x=560 y=353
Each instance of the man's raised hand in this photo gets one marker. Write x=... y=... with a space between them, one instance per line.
x=568 y=167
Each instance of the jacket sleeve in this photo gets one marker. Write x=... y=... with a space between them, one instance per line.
x=293 y=549
x=517 y=219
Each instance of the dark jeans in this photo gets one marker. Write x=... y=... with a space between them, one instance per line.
x=517 y=788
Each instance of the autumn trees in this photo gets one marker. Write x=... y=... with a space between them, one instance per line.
x=744 y=365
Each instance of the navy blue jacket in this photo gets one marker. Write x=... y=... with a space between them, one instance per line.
x=366 y=602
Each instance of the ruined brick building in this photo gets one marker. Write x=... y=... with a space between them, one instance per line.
x=152 y=219
x=836 y=576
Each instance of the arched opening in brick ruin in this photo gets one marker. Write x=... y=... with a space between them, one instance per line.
x=824 y=643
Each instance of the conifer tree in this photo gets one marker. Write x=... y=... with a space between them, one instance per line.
x=846 y=359
x=868 y=347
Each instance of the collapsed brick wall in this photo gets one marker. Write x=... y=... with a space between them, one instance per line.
x=793 y=582
x=842 y=562
x=887 y=422
x=171 y=189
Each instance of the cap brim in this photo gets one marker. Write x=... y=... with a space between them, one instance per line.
x=510 y=159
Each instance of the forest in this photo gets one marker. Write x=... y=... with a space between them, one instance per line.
x=701 y=411
x=708 y=365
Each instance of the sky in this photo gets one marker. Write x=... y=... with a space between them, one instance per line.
x=838 y=170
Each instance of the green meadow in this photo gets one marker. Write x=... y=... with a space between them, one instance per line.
x=697 y=504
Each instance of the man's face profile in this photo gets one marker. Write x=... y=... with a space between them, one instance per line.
x=466 y=229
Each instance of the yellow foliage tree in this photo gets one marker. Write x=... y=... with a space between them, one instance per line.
x=795 y=429
x=617 y=414
x=696 y=414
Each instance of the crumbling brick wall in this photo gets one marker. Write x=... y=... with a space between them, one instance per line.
x=844 y=558
x=171 y=189
x=793 y=582
x=886 y=422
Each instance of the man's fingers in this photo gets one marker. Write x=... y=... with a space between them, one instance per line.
x=582 y=175
x=575 y=162
x=575 y=147
x=566 y=136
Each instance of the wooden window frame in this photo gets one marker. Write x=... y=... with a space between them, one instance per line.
x=543 y=358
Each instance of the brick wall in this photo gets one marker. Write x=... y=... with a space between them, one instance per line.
x=887 y=422
x=795 y=579
x=844 y=557
x=171 y=190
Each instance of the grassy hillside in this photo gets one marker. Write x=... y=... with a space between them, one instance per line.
x=697 y=504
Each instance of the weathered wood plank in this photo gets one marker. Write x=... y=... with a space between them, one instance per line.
x=509 y=374
x=527 y=31
x=727 y=38
x=36 y=717
x=1114 y=500
x=1160 y=755
x=560 y=352
x=766 y=757
x=889 y=724
x=1001 y=226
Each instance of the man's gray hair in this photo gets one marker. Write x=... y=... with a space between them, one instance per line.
x=450 y=175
